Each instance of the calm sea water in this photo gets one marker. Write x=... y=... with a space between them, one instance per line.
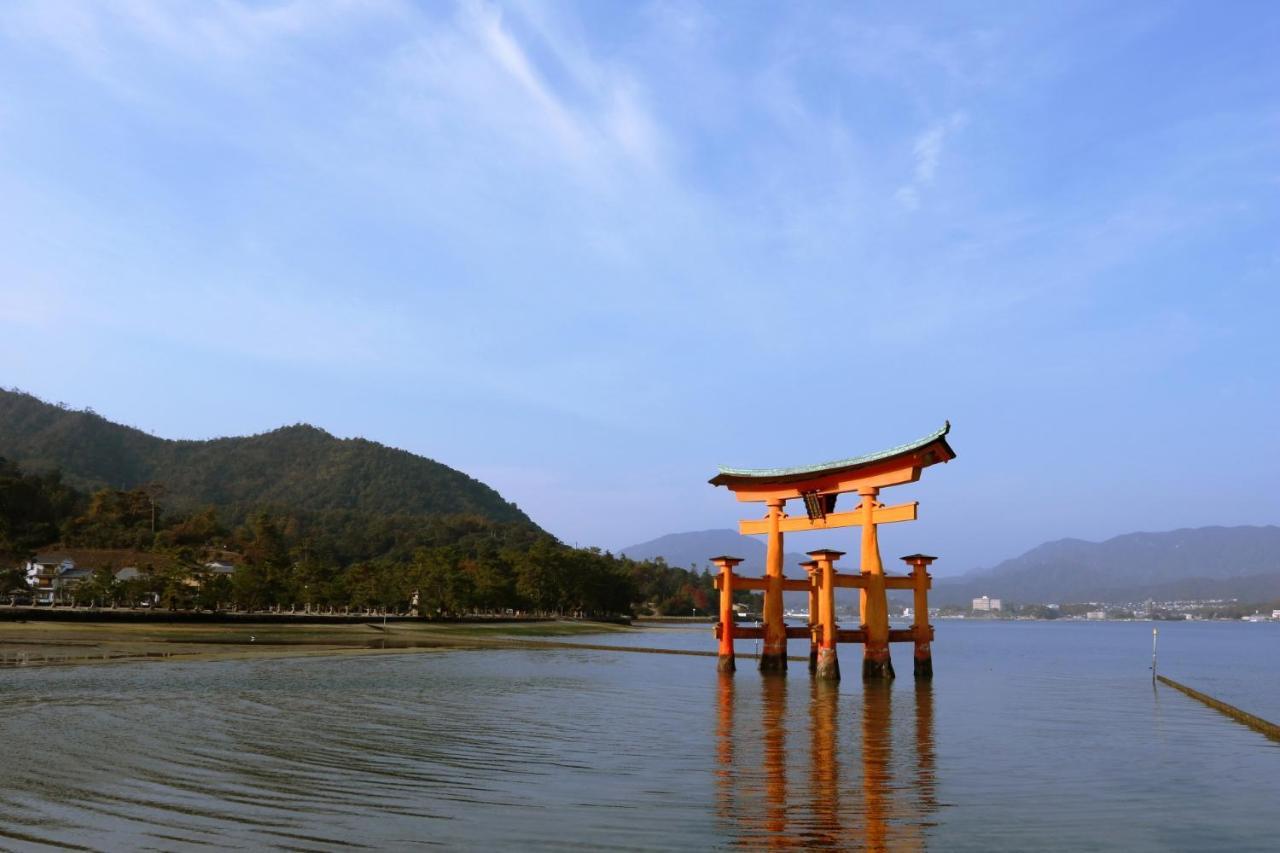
x=1032 y=736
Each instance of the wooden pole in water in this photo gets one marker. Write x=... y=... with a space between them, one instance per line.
x=1155 y=632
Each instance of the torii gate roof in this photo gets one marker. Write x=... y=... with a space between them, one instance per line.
x=928 y=450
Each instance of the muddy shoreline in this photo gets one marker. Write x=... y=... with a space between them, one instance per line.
x=27 y=613
x=25 y=644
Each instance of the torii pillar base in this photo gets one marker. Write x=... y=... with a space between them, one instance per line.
x=876 y=663
x=774 y=662
x=828 y=665
x=923 y=662
x=726 y=664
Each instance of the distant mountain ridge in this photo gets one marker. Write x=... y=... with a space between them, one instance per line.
x=299 y=467
x=1204 y=562
x=1191 y=563
x=696 y=548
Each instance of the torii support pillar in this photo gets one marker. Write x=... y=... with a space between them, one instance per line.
x=922 y=630
x=811 y=569
x=828 y=662
x=773 y=657
x=726 y=662
x=876 y=663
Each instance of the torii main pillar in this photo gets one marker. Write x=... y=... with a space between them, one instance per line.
x=876 y=663
x=818 y=487
x=773 y=653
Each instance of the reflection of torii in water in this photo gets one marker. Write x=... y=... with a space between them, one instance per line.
x=819 y=486
x=898 y=797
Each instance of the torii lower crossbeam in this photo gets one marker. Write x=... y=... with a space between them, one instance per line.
x=823 y=632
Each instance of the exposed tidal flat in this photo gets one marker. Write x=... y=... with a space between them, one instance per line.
x=1031 y=736
x=54 y=643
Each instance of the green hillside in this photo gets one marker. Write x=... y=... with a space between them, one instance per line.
x=301 y=468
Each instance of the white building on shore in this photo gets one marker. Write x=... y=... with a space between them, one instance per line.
x=51 y=576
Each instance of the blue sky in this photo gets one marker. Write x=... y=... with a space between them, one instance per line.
x=587 y=252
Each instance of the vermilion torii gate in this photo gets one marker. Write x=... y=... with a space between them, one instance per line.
x=818 y=486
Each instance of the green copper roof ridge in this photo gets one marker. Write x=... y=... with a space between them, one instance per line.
x=839 y=463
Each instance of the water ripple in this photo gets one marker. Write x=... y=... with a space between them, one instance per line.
x=1053 y=740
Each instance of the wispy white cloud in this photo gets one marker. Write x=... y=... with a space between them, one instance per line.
x=926 y=153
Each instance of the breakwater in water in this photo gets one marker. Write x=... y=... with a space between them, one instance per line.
x=1254 y=722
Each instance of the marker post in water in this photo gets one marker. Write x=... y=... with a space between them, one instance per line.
x=1155 y=632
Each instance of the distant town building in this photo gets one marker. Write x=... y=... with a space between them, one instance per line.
x=1096 y=614
x=42 y=574
x=50 y=576
x=1275 y=614
x=986 y=603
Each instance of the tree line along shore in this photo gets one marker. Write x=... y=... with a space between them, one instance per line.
x=128 y=550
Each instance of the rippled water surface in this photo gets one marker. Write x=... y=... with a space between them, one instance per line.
x=1032 y=736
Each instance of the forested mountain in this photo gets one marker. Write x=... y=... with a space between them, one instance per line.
x=1205 y=562
x=299 y=468
x=306 y=520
